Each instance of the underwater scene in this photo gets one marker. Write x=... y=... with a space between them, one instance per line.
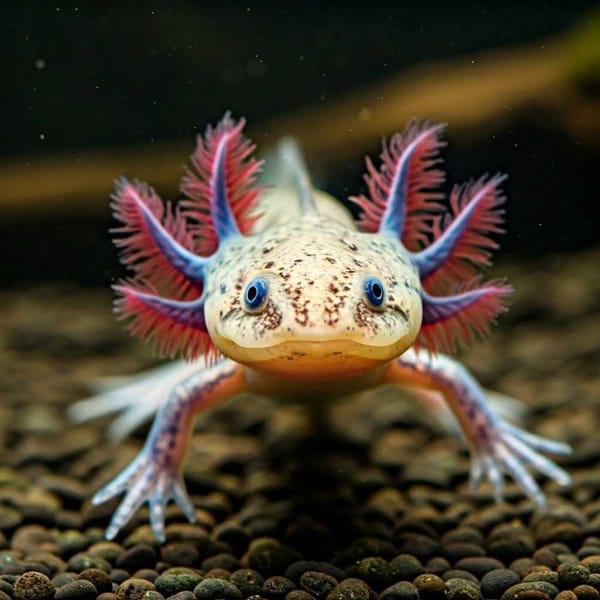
x=300 y=302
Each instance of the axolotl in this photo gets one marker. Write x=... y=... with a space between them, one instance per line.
x=279 y=291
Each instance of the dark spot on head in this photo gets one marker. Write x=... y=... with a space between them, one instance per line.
x=269 y=264
x=266 y=250
x=330 y=260
x=222 y=288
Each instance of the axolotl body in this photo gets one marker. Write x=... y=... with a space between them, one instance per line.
x=300 y=298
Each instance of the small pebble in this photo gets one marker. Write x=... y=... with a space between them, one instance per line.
x=430 y=586
x=277 y=587
x=458 y=588
x=317 y=584
x=543 y=590
x=99 y=578
x=495 y=583
x=33 y=586
x=177 y=579
x=403 y=590
x=216 y=589
x=137 y=557
x=77 y=590
x=134 y=589
x=248 y=581
x=350 y=589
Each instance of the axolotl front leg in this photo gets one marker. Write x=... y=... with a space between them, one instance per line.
x=496 y=445
x=154 y=476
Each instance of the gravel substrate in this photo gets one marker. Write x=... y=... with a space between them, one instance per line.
x=358 y=500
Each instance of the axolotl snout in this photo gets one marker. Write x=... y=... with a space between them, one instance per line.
x=279 y=291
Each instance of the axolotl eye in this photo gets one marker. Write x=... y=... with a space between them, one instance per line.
x=255 y=294
x=374 y=292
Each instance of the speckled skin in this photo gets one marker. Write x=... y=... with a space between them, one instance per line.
x=315 y=268
x=316 y=331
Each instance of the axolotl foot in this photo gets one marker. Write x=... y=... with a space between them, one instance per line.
x=146 y=480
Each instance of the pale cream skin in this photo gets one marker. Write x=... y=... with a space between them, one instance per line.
x=315 y=330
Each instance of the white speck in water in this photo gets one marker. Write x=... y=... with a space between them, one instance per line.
x=42 y=136
x=39 y=64
x=364 y=114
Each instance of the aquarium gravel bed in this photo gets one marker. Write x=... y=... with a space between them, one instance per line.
x=360 y=499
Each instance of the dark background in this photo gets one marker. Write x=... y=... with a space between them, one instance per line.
x=109 y=75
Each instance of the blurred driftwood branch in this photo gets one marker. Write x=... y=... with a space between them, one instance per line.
x=472 y=93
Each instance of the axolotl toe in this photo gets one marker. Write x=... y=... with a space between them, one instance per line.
x=279 y=291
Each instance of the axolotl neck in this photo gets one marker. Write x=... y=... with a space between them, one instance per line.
x=313 y=299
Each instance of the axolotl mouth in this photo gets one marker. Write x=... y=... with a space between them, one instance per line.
x=310 y=360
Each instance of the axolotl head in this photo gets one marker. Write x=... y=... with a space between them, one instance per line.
x=300 y=292
x=313 y=299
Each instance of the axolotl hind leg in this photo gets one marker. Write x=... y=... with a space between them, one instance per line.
x=496 y=445
x=154 y=476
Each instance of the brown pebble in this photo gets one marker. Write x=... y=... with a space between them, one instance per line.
x=99 y=578
x=134 y=589
x=430 y=587
x=137 y=557
x=566 y=595
x=77 y=590
x=350 y=589
x=586 y=592
x=33 y=586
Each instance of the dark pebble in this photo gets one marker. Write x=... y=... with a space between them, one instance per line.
x=248 y=581
x=520 y=565
x=421 y=546
x=457 y=550
x=430 y=586
x=232 y=534
x=221 y=561
x=566 y=595
x=218 y=574
x=406 y=567
x=109 y=551
x=458 y=588
x=374 y=571
x=177 y=579
x=186 y=595
x=99 y=578
x=468 y=535
x=458 y=573
x=310 y=538
x=4 y=596
x=216 y=589
x=147 y=574
x=545 y=556
x=495 y=583
x=299 y=595
x=479 y=565
x=135 y=589
x=295 y=570
x=594 y=580
x=269 y=557
x=33 y=586
x=404 y=590
x=586 y=592
x=53 y=562
x=548 y=576
x=81 y=561
x=181 y=554
x=118 y=576
x=64 y=578
x=572 y=575
x=532 y=590
x=510 y=548
x=350 y=589
x=277 y=587
x=437 y=565
x=137 y=557
x=592 y=563
x=77 y=590
x=318 y=584
x=107 y=596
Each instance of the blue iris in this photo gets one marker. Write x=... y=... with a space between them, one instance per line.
x=256 y=293
x=374 y=291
